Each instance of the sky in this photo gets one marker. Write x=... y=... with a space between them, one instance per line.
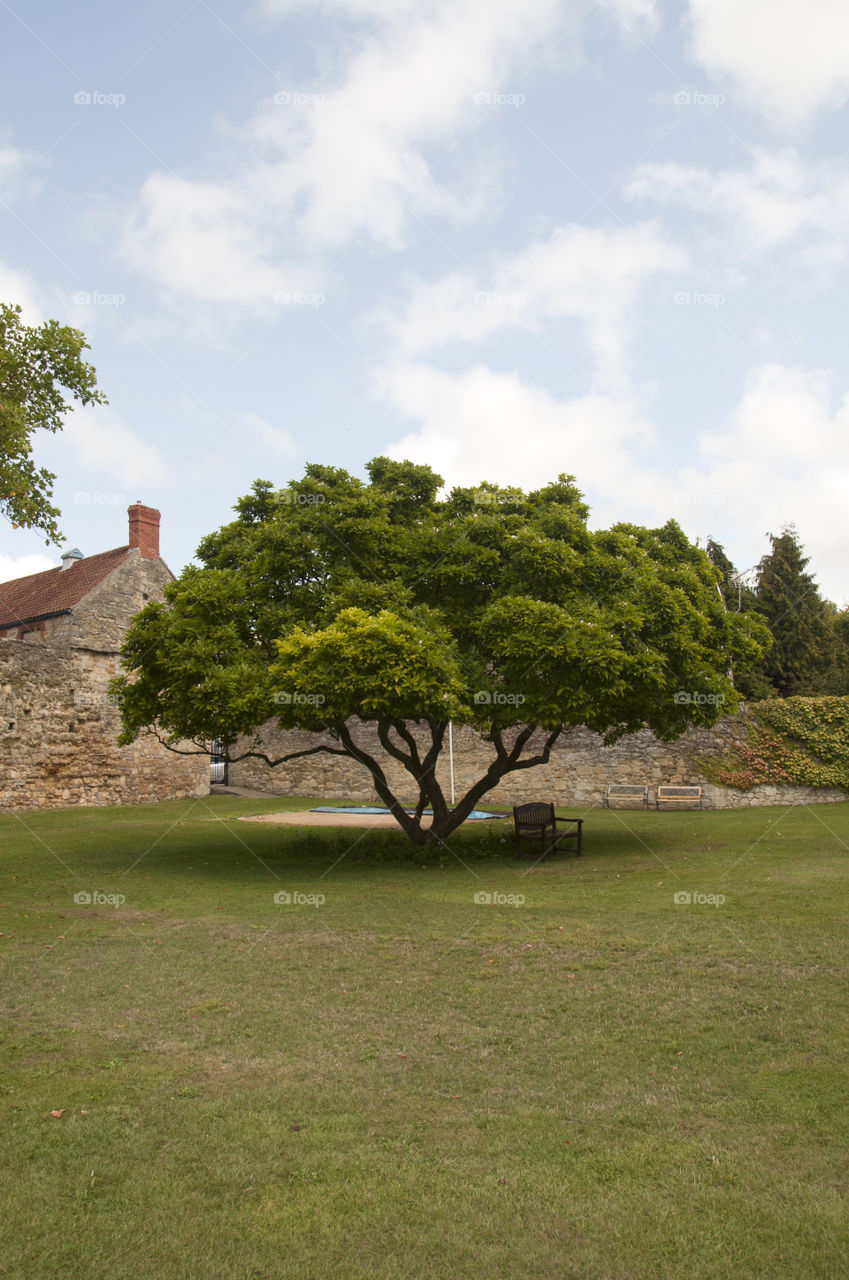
x=505 y=239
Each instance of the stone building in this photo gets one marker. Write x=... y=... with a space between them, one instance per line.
x=60 y=637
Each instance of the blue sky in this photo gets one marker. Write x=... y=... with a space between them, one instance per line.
x=507 y=240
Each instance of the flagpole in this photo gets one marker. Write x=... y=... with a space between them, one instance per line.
x=451 y=757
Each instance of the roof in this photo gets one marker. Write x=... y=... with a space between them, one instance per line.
x=55 y=591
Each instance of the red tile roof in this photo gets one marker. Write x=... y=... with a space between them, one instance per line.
x=55 y=590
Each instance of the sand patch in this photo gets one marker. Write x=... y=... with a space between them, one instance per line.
x=305 y=818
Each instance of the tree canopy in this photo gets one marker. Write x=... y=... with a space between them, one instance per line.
x=336 y=602
x=38 y=365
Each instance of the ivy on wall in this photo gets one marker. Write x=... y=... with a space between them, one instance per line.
x=801 y=741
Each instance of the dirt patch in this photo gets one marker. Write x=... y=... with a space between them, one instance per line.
x=305 y=818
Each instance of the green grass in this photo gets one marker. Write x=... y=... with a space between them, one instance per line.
x=403 y=1083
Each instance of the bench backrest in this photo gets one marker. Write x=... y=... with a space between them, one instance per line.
x=625 y=789
x=535 y=814
x=679 y=793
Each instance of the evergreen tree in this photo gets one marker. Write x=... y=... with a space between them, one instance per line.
x=804 y=649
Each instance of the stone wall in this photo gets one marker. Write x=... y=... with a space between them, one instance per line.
x=58 y=736
x=58 y=728
x=578 y=772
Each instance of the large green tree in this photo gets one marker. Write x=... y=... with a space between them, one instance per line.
x=39 y=365
x=336 y=603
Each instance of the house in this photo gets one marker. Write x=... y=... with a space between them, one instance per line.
x=61 y=633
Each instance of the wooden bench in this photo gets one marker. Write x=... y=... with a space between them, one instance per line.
x=678 y=795
x=623 y=791
x=536 y=824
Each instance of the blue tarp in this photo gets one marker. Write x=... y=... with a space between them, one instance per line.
x=475 y=816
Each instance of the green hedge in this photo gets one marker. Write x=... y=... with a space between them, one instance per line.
x=802 y=741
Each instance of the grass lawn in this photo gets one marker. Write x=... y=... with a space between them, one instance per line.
x=400 y=1081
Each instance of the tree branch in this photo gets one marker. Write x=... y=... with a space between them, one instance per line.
x=203 y=750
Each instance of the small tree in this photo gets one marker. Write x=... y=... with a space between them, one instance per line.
x=335 y=602
x=750 y=679
x=37 y=365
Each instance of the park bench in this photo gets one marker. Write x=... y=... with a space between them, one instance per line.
x=536 y=824
x=623 y=791
x=678 y=796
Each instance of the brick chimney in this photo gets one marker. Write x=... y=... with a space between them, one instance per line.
x=144 y=530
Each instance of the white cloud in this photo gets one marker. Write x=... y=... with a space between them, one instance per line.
x=203 y=240
x=787 y=58
x=780 y=459
x=482 y=425
x=96 y=442
x=12 y=567
x=412 y=84
x=361 y=151
x=589 y=274
x=18 y=287
x=778 y=201
x=262 y=438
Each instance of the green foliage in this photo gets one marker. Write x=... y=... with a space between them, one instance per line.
x=799 y=619
x=803 y=741
x=335 y=599
x=37 y=367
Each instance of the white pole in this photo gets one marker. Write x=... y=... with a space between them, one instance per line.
x=451 y=757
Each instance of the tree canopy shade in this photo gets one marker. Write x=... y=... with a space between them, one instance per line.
x=37 y=366
x=335 y=602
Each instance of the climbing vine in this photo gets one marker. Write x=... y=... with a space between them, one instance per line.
x=801 y=741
